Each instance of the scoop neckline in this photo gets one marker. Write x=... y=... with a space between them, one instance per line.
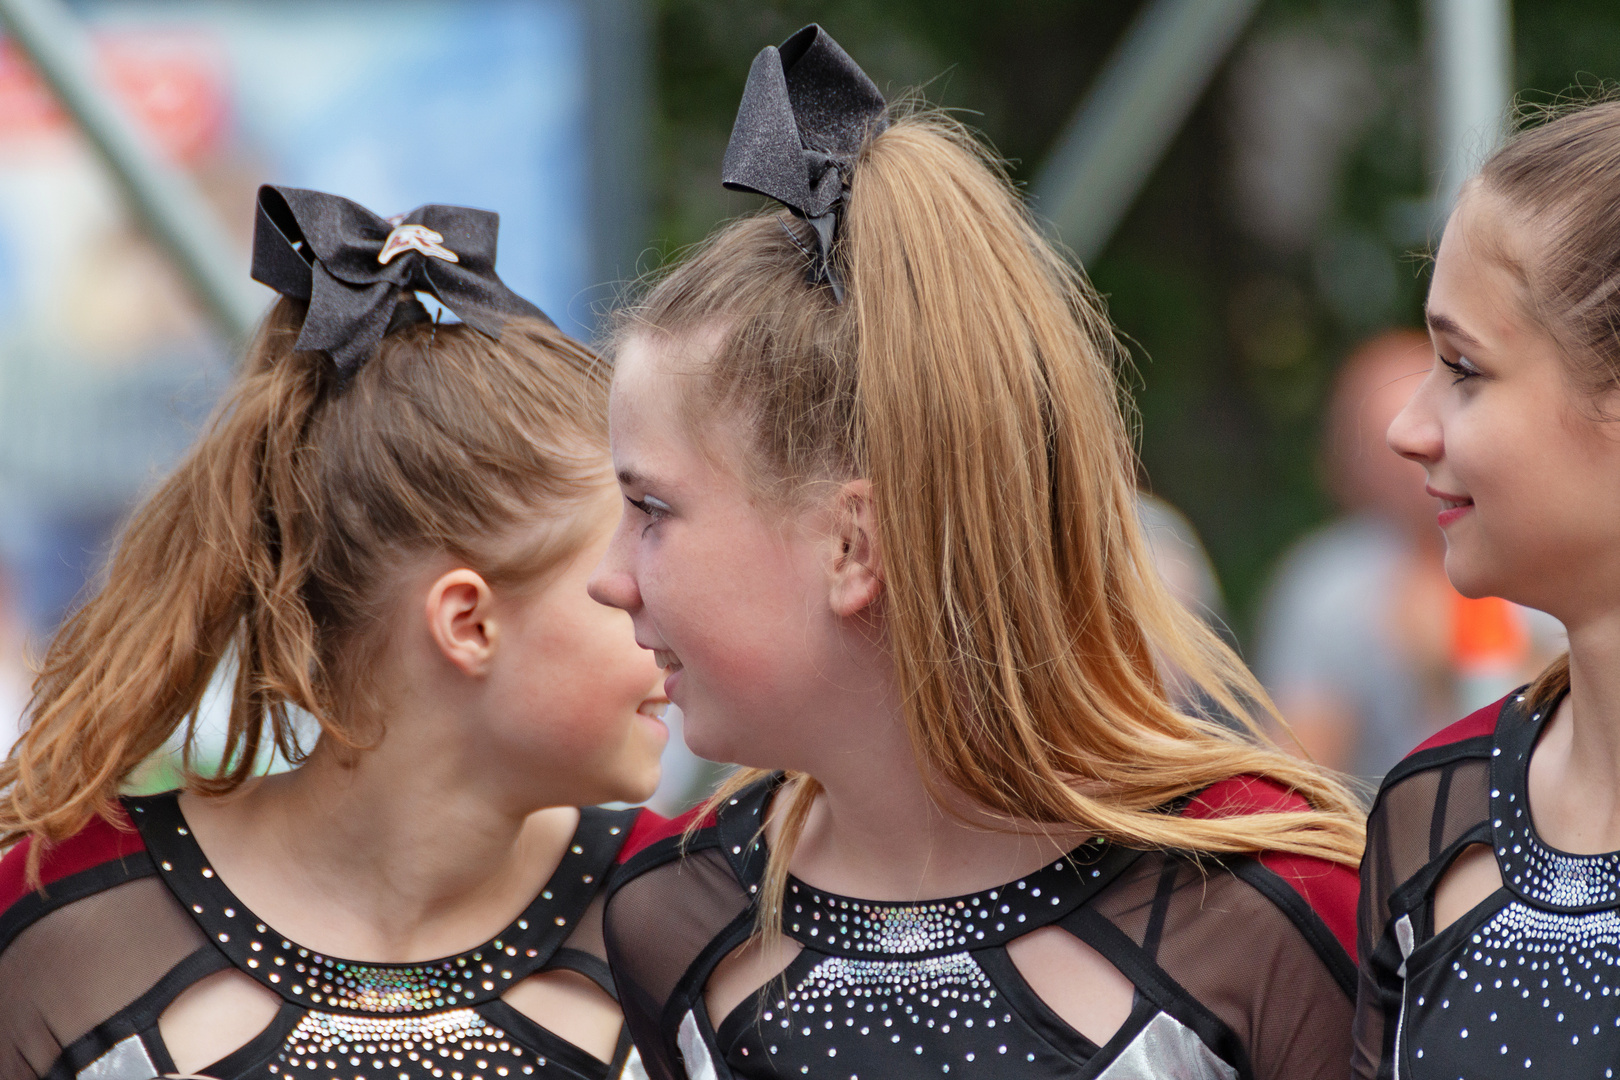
x=310 y=977
x=1023 y=904
x=1578 y=882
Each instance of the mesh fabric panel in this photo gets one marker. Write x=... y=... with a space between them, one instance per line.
x=1242 y=958
x=1417 y=818
x=80 y=964
x=657 y=925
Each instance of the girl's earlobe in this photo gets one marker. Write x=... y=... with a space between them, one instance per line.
x=460 y=618
x=857 y=573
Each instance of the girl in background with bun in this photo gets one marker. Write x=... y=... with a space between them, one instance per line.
x=388 y=526
x=880 y=528
x=1490 y=912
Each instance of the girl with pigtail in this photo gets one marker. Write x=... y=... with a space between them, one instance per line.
x=388 y=527
x=880 y=529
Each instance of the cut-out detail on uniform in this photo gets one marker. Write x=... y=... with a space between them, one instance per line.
x=927 y=988
x=1076 y=981
x=115 y=944
x=1526 y=979
x=573 y=1007
x=214 y=1018
x=1469 y=881
x=748 y=970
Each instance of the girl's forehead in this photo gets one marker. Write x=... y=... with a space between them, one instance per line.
x=1478 y=274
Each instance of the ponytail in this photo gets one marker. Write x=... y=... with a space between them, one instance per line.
x=267 y=549
x=969 y=374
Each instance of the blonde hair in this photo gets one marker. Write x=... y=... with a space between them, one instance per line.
x=969 y=376
x=272 y=547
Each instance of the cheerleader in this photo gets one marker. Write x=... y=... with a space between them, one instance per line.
x=387 y=527
x=1490 y=910
x=880 y=529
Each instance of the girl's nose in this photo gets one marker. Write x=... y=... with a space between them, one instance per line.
x=611 y=582
x=1415 y=432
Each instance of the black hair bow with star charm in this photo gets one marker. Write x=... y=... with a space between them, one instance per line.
x=354 y=268
x=805 y=112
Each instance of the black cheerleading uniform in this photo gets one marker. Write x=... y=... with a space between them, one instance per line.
x=1238 y=964
x=1527 y=982
x=132 y=915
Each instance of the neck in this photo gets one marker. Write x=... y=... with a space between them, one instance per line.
x=1594 y=697
x=1575 y=767
x=401 y=853
x=879 y=831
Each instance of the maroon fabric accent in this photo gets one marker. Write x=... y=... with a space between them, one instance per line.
x=98 y=842
x=1471 y=726
x=650 y=828
x=1330 y=888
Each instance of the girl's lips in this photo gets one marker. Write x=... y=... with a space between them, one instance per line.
x=1452 y=506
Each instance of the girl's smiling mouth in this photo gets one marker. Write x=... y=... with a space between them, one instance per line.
x=1452 y=507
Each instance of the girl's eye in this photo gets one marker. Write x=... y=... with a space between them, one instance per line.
x=1461 y=368
x=654 y=509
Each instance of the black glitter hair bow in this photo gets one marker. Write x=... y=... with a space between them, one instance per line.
x=356 y=268
x=804 y=114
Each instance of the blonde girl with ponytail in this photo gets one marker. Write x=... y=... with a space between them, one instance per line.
x=387 y=529
x=880 y=529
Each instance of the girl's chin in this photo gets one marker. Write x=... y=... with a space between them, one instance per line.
x=1470 y=578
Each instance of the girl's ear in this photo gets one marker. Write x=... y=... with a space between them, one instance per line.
x=857 y=563
x=460 y=615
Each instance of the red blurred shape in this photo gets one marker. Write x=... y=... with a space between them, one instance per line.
x=171 y=84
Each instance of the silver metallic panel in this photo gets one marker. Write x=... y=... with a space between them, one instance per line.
x=127 y=1060
x=1167 y=1049
x=694 y=1051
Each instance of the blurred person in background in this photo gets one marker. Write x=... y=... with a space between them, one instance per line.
x=387 y=527
x=1363 y=642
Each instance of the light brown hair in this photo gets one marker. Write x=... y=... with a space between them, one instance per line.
x=1560 y=182
x=969 y=375
x=272 y=547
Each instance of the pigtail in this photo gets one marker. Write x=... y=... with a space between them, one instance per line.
x=211 y=569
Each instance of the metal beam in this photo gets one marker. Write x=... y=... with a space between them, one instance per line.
x=1471 y=47
x=1121 y=129
x=163 y=198
x=620 y=103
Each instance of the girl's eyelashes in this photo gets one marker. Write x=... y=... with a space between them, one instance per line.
x=1461 y=368
x=654 y=509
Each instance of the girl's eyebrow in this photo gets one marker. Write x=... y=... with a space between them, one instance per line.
x=632 y=478
x=1445 y=324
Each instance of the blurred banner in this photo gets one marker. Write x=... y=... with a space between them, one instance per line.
x=106 y=364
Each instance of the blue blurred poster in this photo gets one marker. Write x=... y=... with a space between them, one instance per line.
x=106 y=364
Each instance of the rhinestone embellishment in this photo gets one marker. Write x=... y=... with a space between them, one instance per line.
x=454 y=1045
x=853 y=927
x=1530 y=868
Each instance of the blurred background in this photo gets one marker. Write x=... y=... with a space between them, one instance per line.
x=1253 y=185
